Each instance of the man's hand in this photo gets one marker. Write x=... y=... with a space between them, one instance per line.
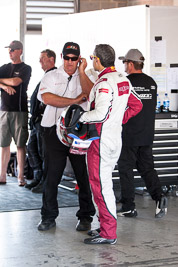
x=82 y=65
x=85 y=82
x=10 y=90
x=81 y=98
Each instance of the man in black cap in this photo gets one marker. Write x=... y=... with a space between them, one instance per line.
x=14 y=79
x=137 y=140
x=58 y=89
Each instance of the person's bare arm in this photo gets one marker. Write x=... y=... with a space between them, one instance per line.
x=11 y=81
x=61 y=102
x=85 y=82
x=10 y=90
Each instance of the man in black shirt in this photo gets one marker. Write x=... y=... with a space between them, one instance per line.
x=14 y=79
x=137 y=138
x=35 y=143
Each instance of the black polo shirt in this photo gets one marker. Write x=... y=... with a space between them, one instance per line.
x=139 y=130
x=18 y=101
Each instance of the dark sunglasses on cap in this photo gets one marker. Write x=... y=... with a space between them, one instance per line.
x=72 y=58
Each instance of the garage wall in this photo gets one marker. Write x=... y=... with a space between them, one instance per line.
x=112 y=29
x=89 y=5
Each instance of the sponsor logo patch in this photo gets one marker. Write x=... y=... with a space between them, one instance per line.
x=103 y=90
x=123 y=88
x=71 y=47
x=145 y=96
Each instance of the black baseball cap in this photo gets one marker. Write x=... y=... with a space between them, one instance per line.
x=71 y=48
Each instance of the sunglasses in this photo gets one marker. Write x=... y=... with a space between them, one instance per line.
x=92 y=57
x=72 y=58
x=11 y=50
x=126 y=61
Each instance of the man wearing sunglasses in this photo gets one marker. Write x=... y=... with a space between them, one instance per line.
x=58 y=89
x=112 y=102
x=14 y=79
x=137 y=137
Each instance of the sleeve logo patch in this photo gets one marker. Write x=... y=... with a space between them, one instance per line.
x=103 y=90
x=123 y=88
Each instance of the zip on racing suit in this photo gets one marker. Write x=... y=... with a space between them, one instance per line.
x=108 y=102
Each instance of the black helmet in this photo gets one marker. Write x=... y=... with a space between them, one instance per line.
x=72 y=124
x=73 y=133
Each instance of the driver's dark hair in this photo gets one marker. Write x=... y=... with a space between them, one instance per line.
x=106 y=54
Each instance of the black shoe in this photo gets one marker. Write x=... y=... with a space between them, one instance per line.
x=97 y=240
x=83 y=225
x=45 y=225
x=127 y=213
x=161 y=207
x=38 y=188
x=94 y=232
x=32 y=184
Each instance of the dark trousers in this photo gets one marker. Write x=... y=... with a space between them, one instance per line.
x=55 y=161
x=141 y=158
x=35 y=149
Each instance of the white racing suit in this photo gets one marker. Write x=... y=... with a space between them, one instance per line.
x=107 y=103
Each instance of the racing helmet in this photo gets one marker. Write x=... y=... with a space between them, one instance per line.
x=62 y=132
x=73 y=133
x=69 y=127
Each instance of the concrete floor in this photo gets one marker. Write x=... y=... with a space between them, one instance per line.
x=142 y=241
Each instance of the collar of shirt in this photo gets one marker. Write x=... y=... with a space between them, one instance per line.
x=107 y=70
x=61 y=70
